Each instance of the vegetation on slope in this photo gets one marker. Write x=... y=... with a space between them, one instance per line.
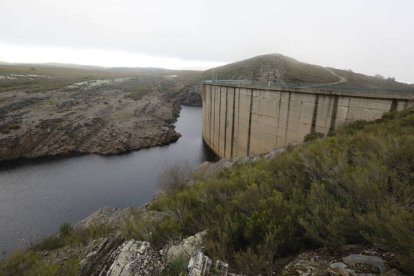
x=33 y=78
x=356 y=186
x=273 y=66
x=361 y=81
x=278 y=69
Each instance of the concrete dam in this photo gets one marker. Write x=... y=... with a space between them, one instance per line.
x=240 y=121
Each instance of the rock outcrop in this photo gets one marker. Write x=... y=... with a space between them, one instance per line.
x=136 y=258
x=187 y=247
x=92 y=118
x=199 y=265
x=99 y=255
x=190 y=96
x=353 y=262
x=115 y=257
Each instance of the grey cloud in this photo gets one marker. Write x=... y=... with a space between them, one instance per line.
x=371 y=36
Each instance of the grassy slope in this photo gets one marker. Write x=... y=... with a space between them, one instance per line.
x=361 y=81
x=293 y=71
x=260 y=68
x=60 y=76
x=297 y=73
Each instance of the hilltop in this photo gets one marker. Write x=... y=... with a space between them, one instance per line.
x=283 y=71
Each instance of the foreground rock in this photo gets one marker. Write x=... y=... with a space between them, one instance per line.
x=187 y=247
x=111 y=256
x=99 y=255
x=352 y=261
x=115 y=256
x=136 y=258
x=96 y=117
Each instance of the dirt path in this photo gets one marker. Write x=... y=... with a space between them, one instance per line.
x=341 y=80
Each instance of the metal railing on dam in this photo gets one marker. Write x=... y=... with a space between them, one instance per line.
x=407 y=89
x=242 y=119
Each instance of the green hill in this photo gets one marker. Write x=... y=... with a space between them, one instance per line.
x=264 y=70
x=281 y=71
x=277 y=69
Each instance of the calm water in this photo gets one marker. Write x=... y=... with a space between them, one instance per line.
x=38 y=196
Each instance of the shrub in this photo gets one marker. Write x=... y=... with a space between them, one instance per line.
x=65 y=229
x=49 y=243
x=313 y=136
x=177 y=266
x=31 y=263
x=175 y=177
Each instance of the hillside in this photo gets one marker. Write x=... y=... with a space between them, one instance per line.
x=44 y=77
x=271 y=69
x=276 y=68
x=61 y=109
x=283 y=71
x=347 y=194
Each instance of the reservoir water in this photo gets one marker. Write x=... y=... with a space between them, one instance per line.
x=37 y=196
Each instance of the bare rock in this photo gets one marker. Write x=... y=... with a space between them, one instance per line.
x=221 y=268
x=190 y=96
x=340 y=269
x=87 y=118
x=199 y=265
x=115 y=257
x=328 y=262
x=365 y=264
x=99 y=255
x=187 y=247
x=308 y=263
x=136 y=258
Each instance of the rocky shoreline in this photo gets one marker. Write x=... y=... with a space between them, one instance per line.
x=115 y=255
x=85 y=118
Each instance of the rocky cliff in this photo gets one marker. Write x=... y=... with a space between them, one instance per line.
x=90 y=117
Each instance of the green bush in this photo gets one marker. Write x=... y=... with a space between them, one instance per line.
x=65 y=229
x=313 y=136
x=31 y=263
x=50 y=243
x=177 y=266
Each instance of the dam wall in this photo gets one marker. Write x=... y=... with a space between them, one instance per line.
x=240 y=121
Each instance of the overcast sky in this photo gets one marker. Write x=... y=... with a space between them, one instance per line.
x=368 y=36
